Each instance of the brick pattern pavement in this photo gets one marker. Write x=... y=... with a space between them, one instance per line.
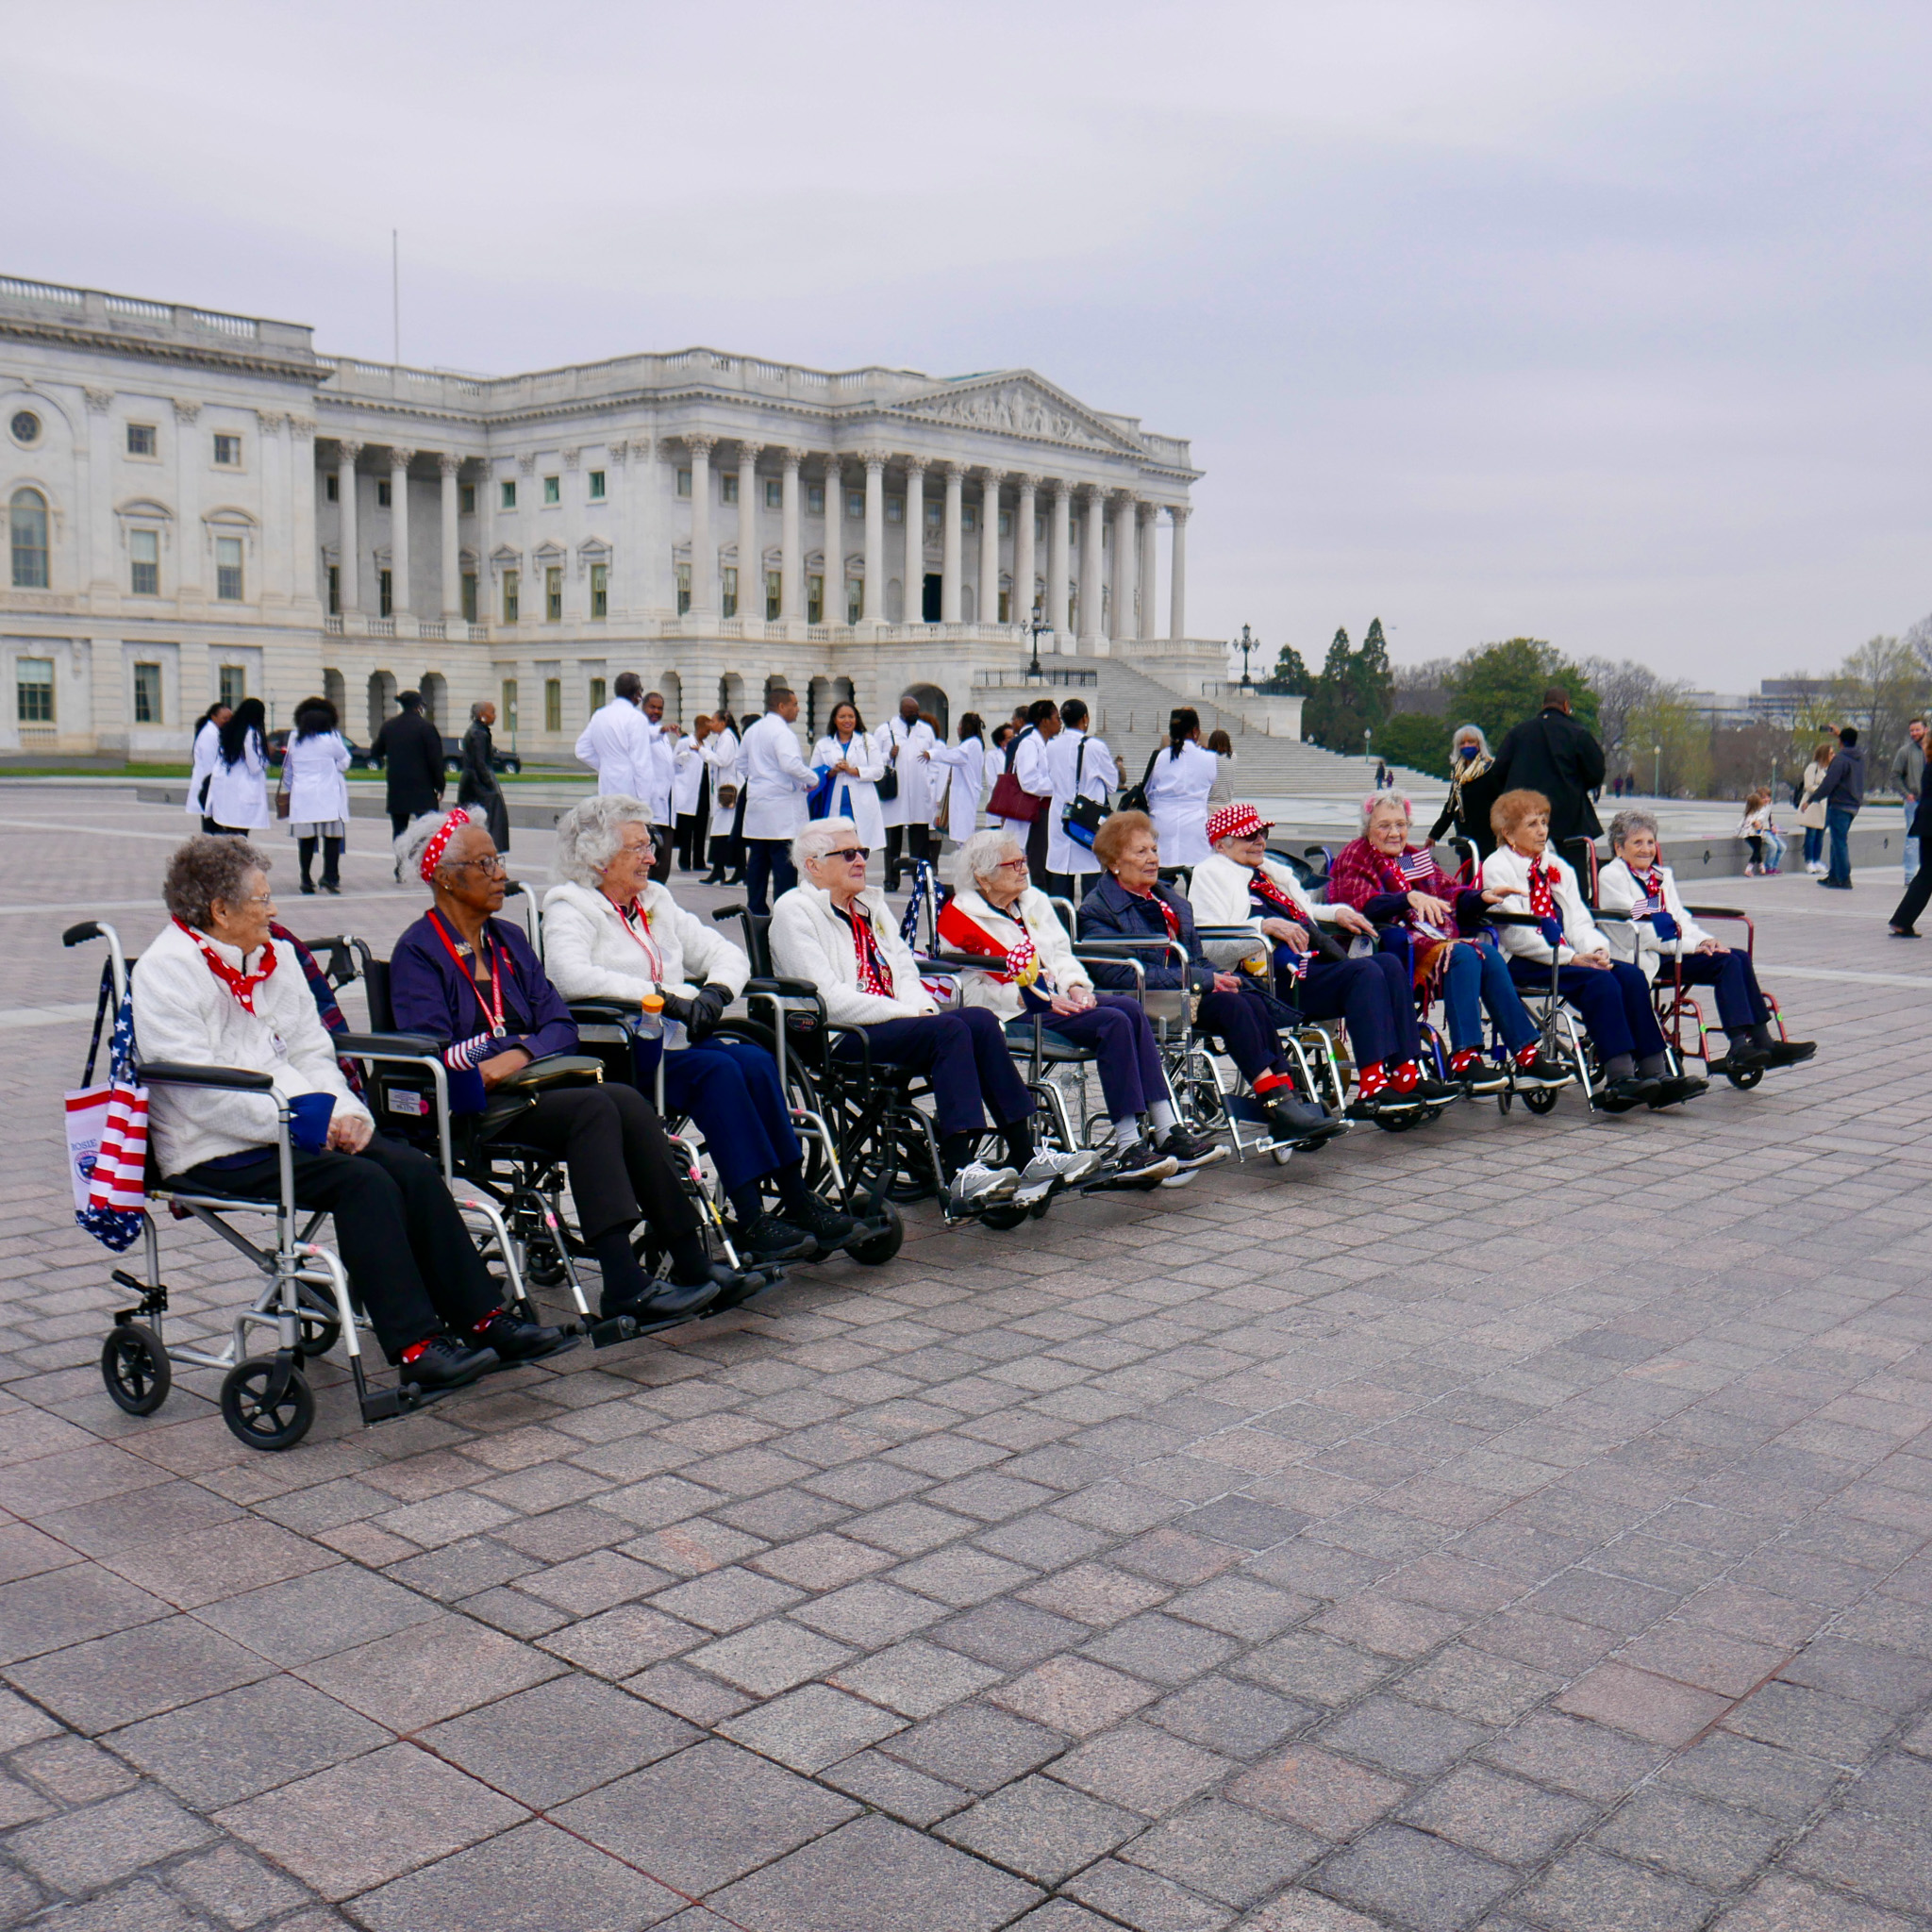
x=1543 y=1545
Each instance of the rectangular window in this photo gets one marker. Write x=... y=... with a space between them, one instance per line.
x=228 y=451
x=1107 y=536
x=509 y=498
x=1006 y=606
x=33 y=684
x=385 y=586
x=935 y=514
x=683 y=589
x=335 y=590
x=816 y=499
x=728 y=483
x=228 y=569
x=854 y=506
x=1005 y=522
x=774 y=494
x=1039 y=529
x=684 y=482
x=552 y=593
x=855 y=598
x=508 y=706
x=728 y=594
x=469 y=596
x=28 y=539
x=600 y=589
x=596 y=486
x=145 y=550
x=383 y=500
x=233 y=684
x=509 y=596
x=814 y=600
x=466 y=499
x=600 y=695
x=332 y=487
x=969 y=516
x=140 y=439
x=553 y=490
x=553 y=703
x=147 y=693
x=773 y=596
x=895 y=510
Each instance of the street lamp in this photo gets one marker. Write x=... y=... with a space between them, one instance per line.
x=1245 y=643
x=1034 y=674
x=1657 y=771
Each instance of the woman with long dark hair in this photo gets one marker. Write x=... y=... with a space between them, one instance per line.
x=857 y=764
x=1178 y=785
x=238 y=784
x=312 y=777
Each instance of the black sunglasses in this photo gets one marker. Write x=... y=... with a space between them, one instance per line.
x=849 y=852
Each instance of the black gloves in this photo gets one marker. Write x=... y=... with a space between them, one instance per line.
x=705 y=1009
x=675 y=1006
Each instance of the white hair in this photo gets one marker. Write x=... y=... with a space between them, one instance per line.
x=418 y=833
x=1376 y=800
x=820 y=838
x=590 y=833
x=1475 y=731
x=980 y=856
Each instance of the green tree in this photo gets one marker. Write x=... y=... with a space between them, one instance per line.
x=1415 y=740
x=1878 y=687
x=1373 y=677
x=1291 y=674
x=1501 y=685
x=1331 y=717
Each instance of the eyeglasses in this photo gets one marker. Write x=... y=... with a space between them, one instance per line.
x=851 y=852
x=265 y=899
x=1011 y=865
x=494 y=865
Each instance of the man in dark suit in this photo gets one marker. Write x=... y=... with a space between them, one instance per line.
x=410 y=748
x=1553 y=753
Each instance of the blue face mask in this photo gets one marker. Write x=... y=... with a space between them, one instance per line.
x=1465 y=752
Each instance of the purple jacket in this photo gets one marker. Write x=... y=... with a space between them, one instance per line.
x=430 y=993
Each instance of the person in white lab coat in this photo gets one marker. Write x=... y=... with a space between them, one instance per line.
x=691 y=793
x=856 y=765
x=1177 y=788
x=725 y=750
x=904 y=741
x=1082 y=766
x=208 y=735
x=963 y=769
x=616 y=743
x=238 y=785
x=313 y=769
x=776 y=779
x=660 y=781
x=1026 y=757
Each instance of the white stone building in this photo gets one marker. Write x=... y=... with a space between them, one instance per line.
x=200 y=505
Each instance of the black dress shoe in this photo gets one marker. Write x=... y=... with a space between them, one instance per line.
x=731 y=1289
x=518 y=1341
x=448 y=1363
x=831 y=1228
x=769 y=1239
x=1677 y=1089
x=1620 y=1096
x=1303 y=1122
x=307 y=890
x=1191 y=1150
x=1903 y=932
x=660 y=1302
x=1787 y=1052
x=1745 y=1055
x=1542 y=1072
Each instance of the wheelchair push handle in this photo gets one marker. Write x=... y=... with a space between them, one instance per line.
x=79 y=934
x=179 y=1073
x=782 y=989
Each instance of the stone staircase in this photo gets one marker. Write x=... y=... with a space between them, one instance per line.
x=1129 y=709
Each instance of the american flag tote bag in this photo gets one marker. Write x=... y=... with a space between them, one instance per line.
x=106 y=1136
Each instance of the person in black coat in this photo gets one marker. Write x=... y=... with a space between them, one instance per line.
x=477 y=788
x=1553 y=753
x=410 y=748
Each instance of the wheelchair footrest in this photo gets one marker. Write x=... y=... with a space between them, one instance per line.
x=154 y=1301
x=613 y=1328
x=385 y=1404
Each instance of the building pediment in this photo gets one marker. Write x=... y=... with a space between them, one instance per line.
x=1021 y=405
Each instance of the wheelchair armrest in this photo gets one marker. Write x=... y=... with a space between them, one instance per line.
x=964 y=962
x=1085 y=956
x=402 y=1046
x=783 y=989
x=606 y=1009
x=1600 y=917
x=1717 y=911
x=1494 y=915
x=177 y=1073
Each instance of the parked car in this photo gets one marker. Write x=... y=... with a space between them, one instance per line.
x=500 y=760
x=359 y=760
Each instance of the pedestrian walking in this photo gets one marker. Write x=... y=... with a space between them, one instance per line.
x=410 y=749
x=1471 y=793
x=477 y=788
x=776 y=781
x=208 y=735
x=1842 y=795
x=1904 y=915
x=315 y=783
x=238 y=784
x=1553 y=753
x=1221 y=791
x=1909 y=774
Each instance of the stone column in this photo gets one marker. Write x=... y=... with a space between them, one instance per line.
x=399 y=461
x=347 y=582
x=191 y=544
x=704 y=553
x=915 y=540
x=874 y=607
x=1125 y=558
x=1024 y=512
x=751 y=558
x=791 y=557
x=448 y=467
x=268 y=582
x=648 y=563
x=990 y=548
x=949 y=566
x=96 y=574
x=1093 y=629
x=832 y=607
x=1058 y=545
x=304 y=486
x=1149 y=523
x=1177 y=575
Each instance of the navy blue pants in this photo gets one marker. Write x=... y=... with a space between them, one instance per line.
x=1615 y=1005
x=767 y=863
x=1246 y=1028
x=730 y=1089
x=1740 y=1004
x=1118 y=1029
x=1372 y=995
x=964 y=1054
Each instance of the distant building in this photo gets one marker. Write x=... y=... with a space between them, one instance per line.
x=1779 y=700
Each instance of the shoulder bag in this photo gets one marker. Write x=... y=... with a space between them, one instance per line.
x=1082 y=817
x=1135 y=797
x=1010 y=799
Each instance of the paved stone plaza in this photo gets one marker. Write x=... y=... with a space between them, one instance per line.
x=1521 y=1524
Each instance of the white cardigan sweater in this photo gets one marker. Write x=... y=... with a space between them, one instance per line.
x=1219 y=894
x=1034 y=911
x=590 y=954
x=812 y=940
x=1506 y=867
x=1617 y=890
x=183 y=1012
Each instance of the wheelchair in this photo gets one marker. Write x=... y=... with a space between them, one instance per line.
x=1679 y=1010
x=305 y=1300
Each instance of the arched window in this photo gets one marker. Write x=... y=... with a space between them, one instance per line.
x=28 y=519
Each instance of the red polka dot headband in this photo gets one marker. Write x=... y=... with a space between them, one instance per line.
x=439 y=841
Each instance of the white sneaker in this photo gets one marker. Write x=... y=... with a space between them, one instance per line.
x=1049 y=1168
x=976 y=1185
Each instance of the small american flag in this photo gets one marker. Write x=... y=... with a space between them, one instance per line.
x=117 y=1189
x=1418 y=869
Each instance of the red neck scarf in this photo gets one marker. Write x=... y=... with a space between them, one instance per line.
x=242 y=985
x=1542 y=901
x=1167 y=912
x=1269 y=897
x=874 y=974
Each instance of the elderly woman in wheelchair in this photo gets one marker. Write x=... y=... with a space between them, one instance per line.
x=1611 y=995
x=215 y=990
x=1438 y=926
x=1664 y=939
x=611 y=931
x=470 y=980
x=998 y=913
x=825 y=931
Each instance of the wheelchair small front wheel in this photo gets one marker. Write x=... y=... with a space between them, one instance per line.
x=135 y=1368
x=1745 y=1079
x=878 y=1248
x=1541 y=1099
x=257 y=1418
x=317 y=1332
x=1004 y=1217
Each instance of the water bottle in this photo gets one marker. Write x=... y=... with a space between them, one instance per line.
x=647 y=1035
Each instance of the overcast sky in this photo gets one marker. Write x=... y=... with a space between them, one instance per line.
x=1603 y=324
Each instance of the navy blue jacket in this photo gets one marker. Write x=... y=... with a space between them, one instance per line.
x=1109 y=911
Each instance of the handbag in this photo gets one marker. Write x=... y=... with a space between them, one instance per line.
x=818 y=801
x=519 y=1091
x=727 y=795
x=282 y=790
x=1135 y=797
x=106 y=1134
x=1010 y=799
x=1082 y=817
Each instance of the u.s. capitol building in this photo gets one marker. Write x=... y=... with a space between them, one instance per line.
x=200 y=505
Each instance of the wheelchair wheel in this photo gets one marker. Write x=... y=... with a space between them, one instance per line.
x=1539 y=1099
x=877 y=1249
x=1504 y=1101
x=252 y=1418
x=318 y=1330
x=135 y=1367
x=1745 y=1079
x=1004 y=1217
